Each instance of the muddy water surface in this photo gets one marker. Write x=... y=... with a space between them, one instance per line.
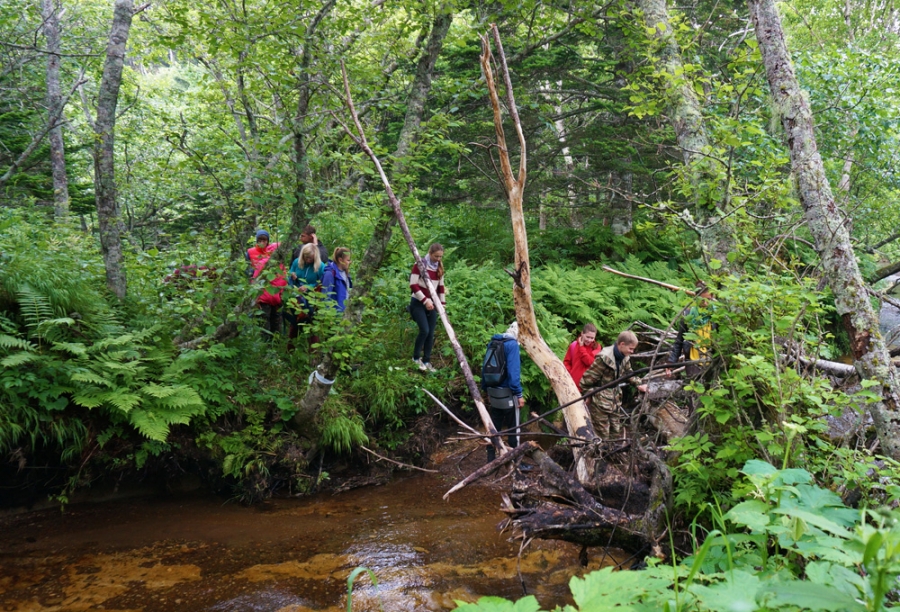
x=197 y=553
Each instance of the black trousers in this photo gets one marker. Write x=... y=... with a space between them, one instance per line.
x=503 y=419
x=271 y=321
x=427 y=322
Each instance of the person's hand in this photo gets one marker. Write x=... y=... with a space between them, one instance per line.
x=581 y=339
x=293 y=276
x=303 y=288
x=521 y=402
x=668 y=373
x=429 y=305
x=642 y=388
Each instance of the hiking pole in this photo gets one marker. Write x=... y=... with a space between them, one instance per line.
x=518 y=418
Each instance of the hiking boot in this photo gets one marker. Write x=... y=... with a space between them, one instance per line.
x=420 y=365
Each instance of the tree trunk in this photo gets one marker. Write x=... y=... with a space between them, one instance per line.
x=685 y=114
x=299 y=213
x=104 y=168
x=374 y=256
x=529 y=336
x=827 y=225
x=54 y=109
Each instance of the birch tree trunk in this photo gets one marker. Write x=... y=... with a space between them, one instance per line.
x=54 y=111
x=529 y=336
x=685 y=114
x=827 y=225
x=374 y=256
x=104 y=168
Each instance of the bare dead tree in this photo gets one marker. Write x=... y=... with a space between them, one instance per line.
x=530 y=338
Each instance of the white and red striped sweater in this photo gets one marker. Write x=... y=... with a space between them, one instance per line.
x=420 y=289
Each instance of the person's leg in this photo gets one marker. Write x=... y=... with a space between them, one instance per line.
x=432 y=316
x=420 y=316
x=599 y=411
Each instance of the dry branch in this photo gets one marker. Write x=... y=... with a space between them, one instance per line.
x=360 y=139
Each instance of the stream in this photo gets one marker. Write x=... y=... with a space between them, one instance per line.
x=197 y=552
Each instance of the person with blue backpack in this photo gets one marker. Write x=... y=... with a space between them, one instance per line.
x=501 y=373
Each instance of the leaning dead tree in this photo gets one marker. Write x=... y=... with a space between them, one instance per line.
x=827 y=224
x=360 y=139
x=610 y=501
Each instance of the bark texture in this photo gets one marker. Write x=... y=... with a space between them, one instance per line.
x=104 y=167
x=530 y=338
x=374 y=256
x=684 y=110
x=54 y=111
x=828 y=226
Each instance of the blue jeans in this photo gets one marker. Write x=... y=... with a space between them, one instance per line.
x=427 y=322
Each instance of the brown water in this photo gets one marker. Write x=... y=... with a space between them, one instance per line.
x=197 y=553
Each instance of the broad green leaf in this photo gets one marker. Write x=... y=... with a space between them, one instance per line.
x=752 y=514
x=808 y=596
x=737 y=593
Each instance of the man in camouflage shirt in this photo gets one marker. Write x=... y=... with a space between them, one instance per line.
x=606 y=406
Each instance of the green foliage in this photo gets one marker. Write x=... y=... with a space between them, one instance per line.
x=790 y=545
x=755 y=406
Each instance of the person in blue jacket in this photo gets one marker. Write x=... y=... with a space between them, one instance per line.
x=506 y=398
x=336 y=282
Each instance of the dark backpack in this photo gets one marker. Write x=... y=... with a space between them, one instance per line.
x=493 y=369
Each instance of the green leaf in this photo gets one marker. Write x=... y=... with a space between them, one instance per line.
x=736 y=594
x=808 y=596
x=498 y=604
x=753 y=514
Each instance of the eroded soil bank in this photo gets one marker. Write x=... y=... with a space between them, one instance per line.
x=196 y=552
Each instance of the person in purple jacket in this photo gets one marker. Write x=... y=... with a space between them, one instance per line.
x=336 y=282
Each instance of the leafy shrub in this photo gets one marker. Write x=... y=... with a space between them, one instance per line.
x=790 y=545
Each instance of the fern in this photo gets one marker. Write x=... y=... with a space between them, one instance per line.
x=12 y=342
x=17 y=359
x=34 y=306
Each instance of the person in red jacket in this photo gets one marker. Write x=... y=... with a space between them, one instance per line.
x=269 y=303
x=581 y=353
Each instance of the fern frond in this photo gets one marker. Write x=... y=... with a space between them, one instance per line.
x=88 y=376
x=8 y=342
x=34 y=306
x=73 y=348
x=17 y=359
x=150 y=425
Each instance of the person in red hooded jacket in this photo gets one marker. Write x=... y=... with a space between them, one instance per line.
x=268 y=302
x=581 y=353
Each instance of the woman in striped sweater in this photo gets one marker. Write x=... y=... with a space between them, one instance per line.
x=422 y=308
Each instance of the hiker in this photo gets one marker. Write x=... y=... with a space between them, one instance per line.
x=269 y=303
x=613 y=362
x=501 y=379
x=306 y=276
x=581 y=353
x=308 y=236
x=694 y=319
x=421 y=307
x=336 y=282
